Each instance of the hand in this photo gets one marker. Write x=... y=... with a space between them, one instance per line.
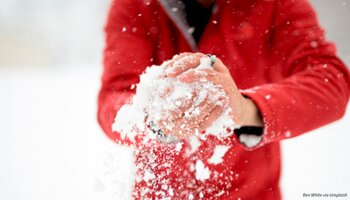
x=191 y=117
x=244 y=111
x=192 y=113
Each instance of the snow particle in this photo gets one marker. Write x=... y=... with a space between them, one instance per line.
x=178 y=103
x=288 y=134
x=178 y=147
x=174 y=9
x=219 y=153
x=190 y=30
x=313 y=44
x=202 y=172
x=171 y=191
x=268 y=96
x=194 y=143
x=148 y=176
x=201 y=195
x=123 y=29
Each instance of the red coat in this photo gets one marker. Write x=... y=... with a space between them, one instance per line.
x=277 y=55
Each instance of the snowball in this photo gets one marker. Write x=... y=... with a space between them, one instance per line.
x=158 y=97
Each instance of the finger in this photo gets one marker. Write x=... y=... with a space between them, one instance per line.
x=185 y=63
x=175 y=59
x=192 y=118
x=211 y=118
x=220 y=67
x=203 y=75
x=165 y=92
x=181 y=106
x=184 y=104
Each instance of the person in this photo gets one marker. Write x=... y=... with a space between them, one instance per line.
x=282 y=76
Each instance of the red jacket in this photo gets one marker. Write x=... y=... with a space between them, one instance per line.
x=277 y=55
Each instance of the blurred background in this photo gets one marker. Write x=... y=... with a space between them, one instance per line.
x=51 y=146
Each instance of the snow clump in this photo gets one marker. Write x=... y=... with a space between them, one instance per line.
x=159 y=96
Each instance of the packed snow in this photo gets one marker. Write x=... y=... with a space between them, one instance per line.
x=158 y=100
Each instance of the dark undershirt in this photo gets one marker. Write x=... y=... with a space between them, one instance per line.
x=197 y=17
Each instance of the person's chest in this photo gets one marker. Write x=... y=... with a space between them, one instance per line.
x=239 y=34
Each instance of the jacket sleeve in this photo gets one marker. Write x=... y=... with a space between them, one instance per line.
x=315 y=87
x=126 y=55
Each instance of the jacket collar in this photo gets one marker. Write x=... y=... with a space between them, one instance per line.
x=175 y=9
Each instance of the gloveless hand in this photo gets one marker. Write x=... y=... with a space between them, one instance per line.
x=244 y=111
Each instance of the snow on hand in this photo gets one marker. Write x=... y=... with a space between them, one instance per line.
x=157 y=96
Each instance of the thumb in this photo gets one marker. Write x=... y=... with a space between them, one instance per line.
x=220 y=67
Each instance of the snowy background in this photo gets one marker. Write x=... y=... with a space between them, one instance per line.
x=51 y=146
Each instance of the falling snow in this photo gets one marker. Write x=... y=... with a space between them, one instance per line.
x=157 y=96
x=219 y=153
x=202 y=172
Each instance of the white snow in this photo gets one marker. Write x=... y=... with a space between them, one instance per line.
x=288 y=134
x=174 y=9
x=219 y=153
x=250 y=140
x=202 y=172
x=224 y=120
x=194 y=143
x=171 y=191
x=72 y=159
x=191 y=30
x=131 y=115
x=148 y=176
x=85 y=164
x=201 y=195
x=314 y=44
x=178 y=147
x=158 y=97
